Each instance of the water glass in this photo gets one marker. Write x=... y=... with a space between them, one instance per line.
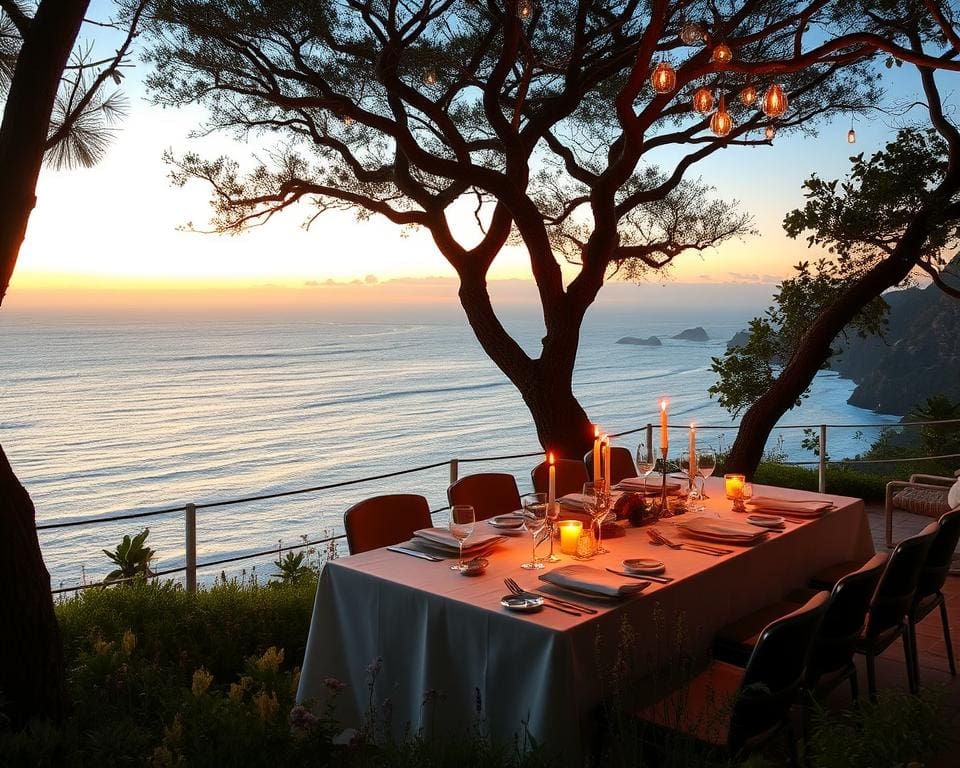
x=534 y=519
x=462 y=522
x=596 y=502
x=645 y=463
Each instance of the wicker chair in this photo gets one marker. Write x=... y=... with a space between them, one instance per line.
x=921 y=495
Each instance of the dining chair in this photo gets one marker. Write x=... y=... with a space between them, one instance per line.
x=571 y=475
x=384 y=520
x=891 y=602
x=743 y=708
x=920 y=495
x=831 y=661
x=621 y=464
x=489 y=493
x=929 y=594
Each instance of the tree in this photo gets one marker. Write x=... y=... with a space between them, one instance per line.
x=938 y=439
x=55 y=108
x=543 y=115
x=895 y=213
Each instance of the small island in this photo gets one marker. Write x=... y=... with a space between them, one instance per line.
x=692 y=334
x=652 y=341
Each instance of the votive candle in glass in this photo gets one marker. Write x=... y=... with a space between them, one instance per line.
x=734 y=486
x=569 y=535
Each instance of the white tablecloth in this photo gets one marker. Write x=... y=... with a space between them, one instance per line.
x=438 y=631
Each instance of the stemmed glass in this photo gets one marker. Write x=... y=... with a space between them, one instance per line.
x=597 y=504
x=694 y=494
x=462 y=522
x=706 y=463
x=534 y=519
x=645 y=463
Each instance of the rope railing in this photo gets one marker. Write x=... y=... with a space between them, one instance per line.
x=192 y=566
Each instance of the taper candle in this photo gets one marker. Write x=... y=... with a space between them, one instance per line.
x=552 y=485
x=664 y=439
x=606 y=463
x=596 y=453
x=693 y=450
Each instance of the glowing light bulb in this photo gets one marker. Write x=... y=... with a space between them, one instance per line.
x=664 y=78
x=721 y=123
x=748 y=95
x=702 y=100
x=774 y=101
x=430 y=77
x=769 y=132
x=722 y=54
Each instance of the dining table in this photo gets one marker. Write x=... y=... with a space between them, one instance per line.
x=420 y=647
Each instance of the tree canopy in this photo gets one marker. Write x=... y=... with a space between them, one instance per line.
x=543 y=114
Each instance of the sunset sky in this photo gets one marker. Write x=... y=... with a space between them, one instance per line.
x=116 y=226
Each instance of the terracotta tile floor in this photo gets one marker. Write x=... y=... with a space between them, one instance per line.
x=891 y=671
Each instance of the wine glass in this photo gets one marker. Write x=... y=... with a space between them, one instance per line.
x=645 y=463
x=597 y=504
x=462 y=521
x=534 y=518
x=687 y=470
x=706 y=463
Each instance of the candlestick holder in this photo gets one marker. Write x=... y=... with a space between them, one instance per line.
x=660 y=505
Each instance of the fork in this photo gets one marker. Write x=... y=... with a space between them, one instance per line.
x=659 y=538
x=561 y=605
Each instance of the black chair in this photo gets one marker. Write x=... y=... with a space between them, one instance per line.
x=831 y=662
x=621 y=464
x=887 y=618
x=384 y=520
x=570 y=477
x=489 y=493
x=929 y=594
x=761 y=694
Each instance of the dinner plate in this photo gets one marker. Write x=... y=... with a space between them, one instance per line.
x=506 y=522
x=643 y=565
x=522 y=603
x=766 y=521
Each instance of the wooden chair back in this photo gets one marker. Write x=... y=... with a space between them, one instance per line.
x=933 y=574
x=571 y=474
x=489 y=493
x=384 y=520
x=621 y=464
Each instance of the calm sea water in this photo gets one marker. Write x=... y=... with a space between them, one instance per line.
x=105 y=416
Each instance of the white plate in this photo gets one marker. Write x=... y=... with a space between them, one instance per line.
x=506 y=522
x=766 y=521
x=522 y=603
x=643 y=566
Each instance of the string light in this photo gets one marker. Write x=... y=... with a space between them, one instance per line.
x=430 y=77
x=774 y=101
x=664 y=78
x=525 y=9
x=348 y=120
x=748 y=95
x=722 y=54
x=702 y=100
x=721 y=123
x=851 y=136
x=769 y=132
x=691 y=33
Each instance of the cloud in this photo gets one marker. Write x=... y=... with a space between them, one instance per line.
x=312 y=283
x=754 y=277
x=371 y=279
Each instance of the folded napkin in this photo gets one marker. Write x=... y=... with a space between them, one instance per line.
x=574 y=500
x=729 y=528
x=811 y=507
x=635 y=485
x=441 y=537
x=583 y=578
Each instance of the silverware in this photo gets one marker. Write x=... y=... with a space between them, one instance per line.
x=643 y=576
x=563 y=606
x=703 y=549
x=548 y=596
x=415 y=553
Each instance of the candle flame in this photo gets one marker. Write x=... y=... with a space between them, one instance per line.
x=596 y=431
x=663 y=404
x=693 y=426
x=550 y=458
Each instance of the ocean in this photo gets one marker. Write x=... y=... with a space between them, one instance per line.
x=114 y=414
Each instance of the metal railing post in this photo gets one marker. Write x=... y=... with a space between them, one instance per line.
x=649 y=443
x=454 y=470
x=190 y=546
x=823 y=459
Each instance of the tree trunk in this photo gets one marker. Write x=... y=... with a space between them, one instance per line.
x=31 y=670
x=31 y=673
x=814 y=348
x=546 y=384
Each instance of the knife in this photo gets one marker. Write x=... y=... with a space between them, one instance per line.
x=415 y=553
x=643 y=576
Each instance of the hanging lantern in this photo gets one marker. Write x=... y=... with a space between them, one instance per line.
x=748 y=95
x=524 y=9
x=721 y=123
x=774 y=101
x=692 y=33
x=702 y=100
x=722 y=55
x=664 y=78
x=348 y=120
x=769 y=132
x=851 y=136
x=429 y=77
